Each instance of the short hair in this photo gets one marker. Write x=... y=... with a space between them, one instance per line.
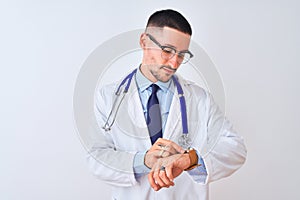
x=169 y=18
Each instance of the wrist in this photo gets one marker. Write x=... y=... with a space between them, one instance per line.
x=139 y=166
x=187 y=160
x=193 y=158
x=145 y=161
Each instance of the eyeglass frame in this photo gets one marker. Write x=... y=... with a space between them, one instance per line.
x=162 y=47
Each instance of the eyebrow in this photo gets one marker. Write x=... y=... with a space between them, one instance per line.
x=182 y=51
x=167 y=45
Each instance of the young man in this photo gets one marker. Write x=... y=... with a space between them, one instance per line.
x=147 y=153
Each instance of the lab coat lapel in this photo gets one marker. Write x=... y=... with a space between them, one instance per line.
x=173 y=120
x=136 y=115
x=173 y=127
x=134 y=105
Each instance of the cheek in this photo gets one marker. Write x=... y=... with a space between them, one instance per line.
x=155 y=54
x=155 y=59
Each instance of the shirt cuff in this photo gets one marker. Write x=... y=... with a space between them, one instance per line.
x=139 y=166
x=199 y=174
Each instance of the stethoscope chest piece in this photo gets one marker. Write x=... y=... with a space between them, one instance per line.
x=185 y=141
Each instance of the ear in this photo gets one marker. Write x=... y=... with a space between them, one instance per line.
x=143 y=40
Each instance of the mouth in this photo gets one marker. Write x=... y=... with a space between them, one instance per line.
x=169 y=70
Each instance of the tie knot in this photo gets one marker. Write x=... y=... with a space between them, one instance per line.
x=154 y=88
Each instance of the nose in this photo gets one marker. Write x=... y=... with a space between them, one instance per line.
x=173 y=62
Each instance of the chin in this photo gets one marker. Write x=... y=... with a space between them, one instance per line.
x=165 y=79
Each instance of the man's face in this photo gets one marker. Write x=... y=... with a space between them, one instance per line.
x=156 y=66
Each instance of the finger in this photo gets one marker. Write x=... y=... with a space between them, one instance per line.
x=168 y=144
x=176 y=147
x=169 y=173
x=161 y=146
x=152 y=181
x=168 y=149
x=161 y=153
x=164 y=154
x=165 y=179
x=171 y=151
x=157 y=178
x=160 y=142
x=158 y=148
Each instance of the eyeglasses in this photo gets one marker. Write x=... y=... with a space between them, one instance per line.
x=169 y=52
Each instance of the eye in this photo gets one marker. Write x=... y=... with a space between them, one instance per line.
x=168 y=50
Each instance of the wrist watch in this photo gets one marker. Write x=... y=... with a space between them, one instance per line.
x=193 y=158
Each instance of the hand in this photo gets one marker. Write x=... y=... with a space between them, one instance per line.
x=160 y=149
x=165 y=170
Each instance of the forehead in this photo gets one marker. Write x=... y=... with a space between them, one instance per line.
x=170 y=37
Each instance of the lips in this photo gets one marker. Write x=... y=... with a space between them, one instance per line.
x=169 y=70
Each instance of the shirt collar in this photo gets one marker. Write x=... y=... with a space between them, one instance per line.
x=143 y=83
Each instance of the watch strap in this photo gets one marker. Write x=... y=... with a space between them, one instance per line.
x=193 y=158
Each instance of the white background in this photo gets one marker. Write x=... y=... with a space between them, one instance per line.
x=254 y=44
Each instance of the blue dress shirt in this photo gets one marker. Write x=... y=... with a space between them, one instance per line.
x=165 y=96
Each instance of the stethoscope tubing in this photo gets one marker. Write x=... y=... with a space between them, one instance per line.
x=128 y=78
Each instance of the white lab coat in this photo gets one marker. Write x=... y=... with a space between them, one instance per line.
x=112 y=153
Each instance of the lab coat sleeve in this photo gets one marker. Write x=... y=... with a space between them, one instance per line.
x=108 y=164
x=228 y=152
x=199 y=173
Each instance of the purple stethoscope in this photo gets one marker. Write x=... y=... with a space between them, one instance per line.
x=183 y=140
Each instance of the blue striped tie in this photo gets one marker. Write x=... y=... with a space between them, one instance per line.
x=154 y=115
